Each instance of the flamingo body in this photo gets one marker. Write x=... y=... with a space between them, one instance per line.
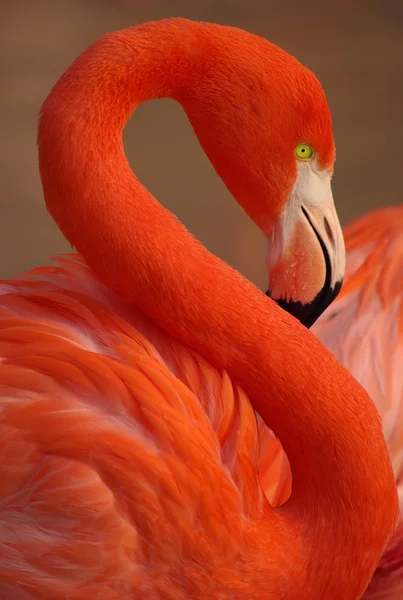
x=97 y=388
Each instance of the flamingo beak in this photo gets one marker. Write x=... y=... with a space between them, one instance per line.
x=306 y=253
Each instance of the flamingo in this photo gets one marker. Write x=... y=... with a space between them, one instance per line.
x=132 y=373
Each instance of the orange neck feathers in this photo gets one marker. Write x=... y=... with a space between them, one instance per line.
x=232 y=86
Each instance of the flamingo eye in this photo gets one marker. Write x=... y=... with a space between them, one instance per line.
x=304 y=152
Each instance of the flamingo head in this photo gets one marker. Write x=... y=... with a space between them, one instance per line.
x=265 y=124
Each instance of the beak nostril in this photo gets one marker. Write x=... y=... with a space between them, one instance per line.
x=328 y=230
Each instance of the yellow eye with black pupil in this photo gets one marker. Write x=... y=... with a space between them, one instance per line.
x=303 y=151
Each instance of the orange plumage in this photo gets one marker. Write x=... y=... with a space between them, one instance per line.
x=129 y=378
x=363 y=329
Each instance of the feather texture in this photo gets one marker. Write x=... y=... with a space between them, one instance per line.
x=364 y=330
x=88 y=388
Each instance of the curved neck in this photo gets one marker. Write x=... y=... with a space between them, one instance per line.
x=325 y=421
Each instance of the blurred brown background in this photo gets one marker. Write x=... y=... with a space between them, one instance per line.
x=355 y=48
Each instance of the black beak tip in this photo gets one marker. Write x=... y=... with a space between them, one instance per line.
x=307 y=314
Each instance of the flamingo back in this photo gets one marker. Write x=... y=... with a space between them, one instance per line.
x=120 y=449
